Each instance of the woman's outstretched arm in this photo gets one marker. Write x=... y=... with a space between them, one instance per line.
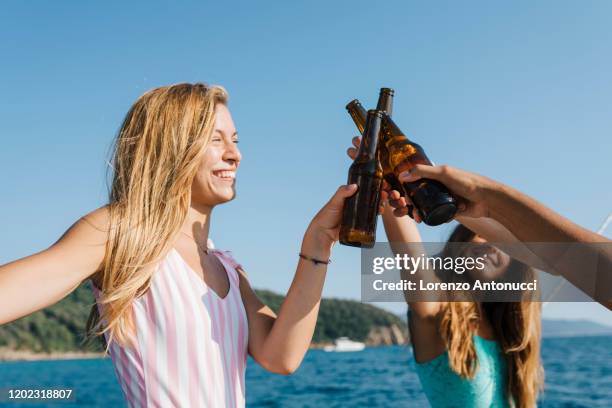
x=40 y=280
x=494 y=232
x=279 y=343
x=532 y=223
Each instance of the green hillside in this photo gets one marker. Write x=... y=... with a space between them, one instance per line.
x=338 y=317
x=56 y=328
x=60 y=328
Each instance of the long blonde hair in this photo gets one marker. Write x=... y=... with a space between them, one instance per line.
x=517 y=328
x=156 y=156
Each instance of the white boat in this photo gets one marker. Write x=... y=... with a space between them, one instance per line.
x=345 y=344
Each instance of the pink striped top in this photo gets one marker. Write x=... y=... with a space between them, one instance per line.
x=191 y=346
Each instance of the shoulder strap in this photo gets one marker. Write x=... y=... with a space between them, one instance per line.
x=227 y=257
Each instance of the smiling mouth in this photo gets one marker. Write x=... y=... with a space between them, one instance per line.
x=225 y=175
x=493 y=259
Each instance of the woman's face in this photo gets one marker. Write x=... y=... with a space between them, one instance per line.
x=495 y=261
x=215 y=181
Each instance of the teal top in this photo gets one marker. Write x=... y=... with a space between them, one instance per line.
x=444 y=388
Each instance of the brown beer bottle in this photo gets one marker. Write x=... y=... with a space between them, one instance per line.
x=360 y=212
x=358 y=113
x=432 y=199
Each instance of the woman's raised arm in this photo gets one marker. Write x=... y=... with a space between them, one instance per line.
x=279 y=343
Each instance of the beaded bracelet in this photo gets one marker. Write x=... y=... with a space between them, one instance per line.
x=314 y=260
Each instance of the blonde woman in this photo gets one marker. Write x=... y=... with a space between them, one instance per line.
x=178 y=315
x=470 y=353
x=488 y=354
x=477 y=354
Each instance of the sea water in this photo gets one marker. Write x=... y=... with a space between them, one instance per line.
x=578 y=374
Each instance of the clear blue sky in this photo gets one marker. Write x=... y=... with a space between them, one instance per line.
x=518 y=91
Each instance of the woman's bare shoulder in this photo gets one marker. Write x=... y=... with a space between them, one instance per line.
x=84 y=243
x=91 y=228
x=98 y=219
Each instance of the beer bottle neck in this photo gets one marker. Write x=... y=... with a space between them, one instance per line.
x=369 y=142
x=385 y=101
x=358 y=114
x=390 y=129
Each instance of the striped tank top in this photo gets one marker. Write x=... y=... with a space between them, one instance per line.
x=191 y=345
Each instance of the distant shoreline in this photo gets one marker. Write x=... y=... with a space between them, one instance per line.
x=26 y=355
